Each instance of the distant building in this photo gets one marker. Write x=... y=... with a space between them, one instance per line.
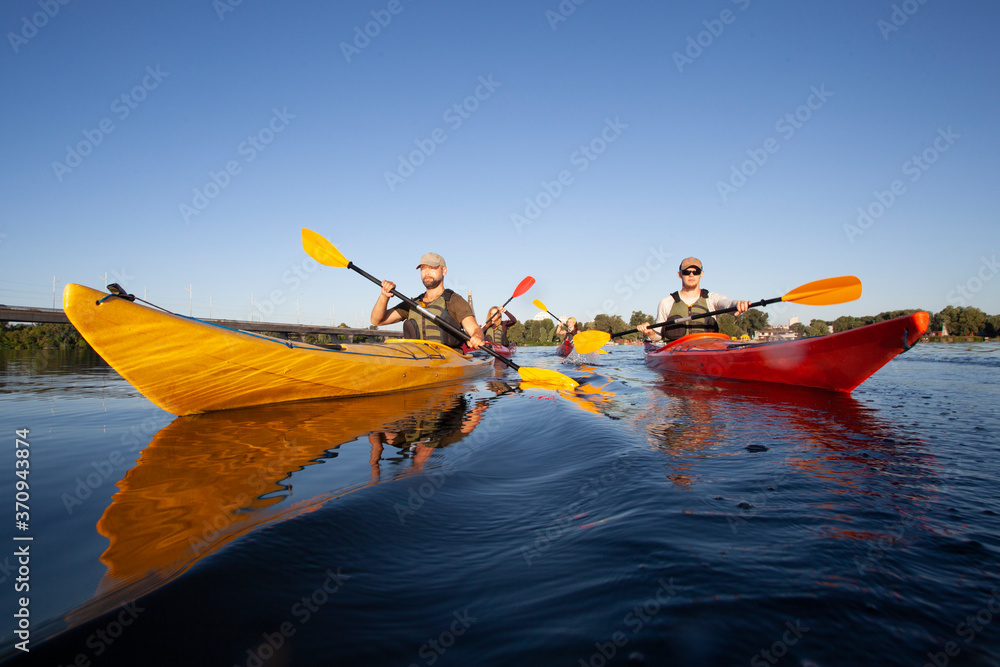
x=793 y=320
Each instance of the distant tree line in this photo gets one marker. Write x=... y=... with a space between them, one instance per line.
x=34 y=336
x=959 y=320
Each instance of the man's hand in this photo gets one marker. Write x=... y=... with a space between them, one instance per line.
x=742 y=307
x=475 y=342
x=387 y=287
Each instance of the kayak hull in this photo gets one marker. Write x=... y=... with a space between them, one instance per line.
x=564 y=348
x=505 y=351
x=187 y=366
x=836 y=362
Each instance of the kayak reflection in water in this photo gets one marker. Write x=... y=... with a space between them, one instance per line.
x=690 y=300
x=418 y=436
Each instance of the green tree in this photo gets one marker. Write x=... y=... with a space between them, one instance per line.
x=516 y=334
x=534 y=331
x=610 y=323
x=729 y=325
x=548 y=330
x=799 y=329
x=752 y=321
x=970 y=321
x=961 y=321
x=992 y=327
x=34 y=336
x=818 y=328
x=846 y=323
x=638 y=317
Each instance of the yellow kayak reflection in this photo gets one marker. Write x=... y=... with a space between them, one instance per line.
x=208 y=479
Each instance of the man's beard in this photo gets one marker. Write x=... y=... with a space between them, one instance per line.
x=432 y=283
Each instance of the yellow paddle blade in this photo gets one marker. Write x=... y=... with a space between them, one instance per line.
x=586 y=342
x=322 y=250
x=538 y=304
x=549 y=378
x=826 y=292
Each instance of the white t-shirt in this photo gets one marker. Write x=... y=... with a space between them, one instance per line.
x=716 y=301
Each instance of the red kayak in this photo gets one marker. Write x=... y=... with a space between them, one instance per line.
x=838 y=362
x=506 y=351
x=564 y=348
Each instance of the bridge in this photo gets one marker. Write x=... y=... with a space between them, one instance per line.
x=57 y=316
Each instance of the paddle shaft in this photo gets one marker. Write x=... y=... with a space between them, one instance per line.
x=683 y=320
x=454 y=331
x=557 y=319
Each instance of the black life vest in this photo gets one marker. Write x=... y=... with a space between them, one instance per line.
x=681 y=309
x=496 y=335
x=419 y=327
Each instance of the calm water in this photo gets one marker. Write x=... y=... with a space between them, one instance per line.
x=637 y=521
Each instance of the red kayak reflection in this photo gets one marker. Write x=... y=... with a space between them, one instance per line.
x=833 y=435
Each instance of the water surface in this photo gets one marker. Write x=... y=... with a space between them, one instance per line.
x=657 y=520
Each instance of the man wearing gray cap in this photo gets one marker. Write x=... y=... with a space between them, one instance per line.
x=690 y=300
x=444 y=303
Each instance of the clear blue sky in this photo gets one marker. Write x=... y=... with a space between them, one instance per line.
x=746 y=133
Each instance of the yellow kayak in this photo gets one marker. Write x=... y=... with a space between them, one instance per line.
x=187 y=366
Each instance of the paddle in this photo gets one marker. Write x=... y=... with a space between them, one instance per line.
x=541 y=306
x=521 y=288
x=327 y=254
x=826 y=292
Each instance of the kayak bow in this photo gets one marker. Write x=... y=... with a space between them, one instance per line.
x=187 y=366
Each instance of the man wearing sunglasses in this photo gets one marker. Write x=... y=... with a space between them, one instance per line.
x=690 y=300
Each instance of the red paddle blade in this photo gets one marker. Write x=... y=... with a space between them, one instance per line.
x=523 y=287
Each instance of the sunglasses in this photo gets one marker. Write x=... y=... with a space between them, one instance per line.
x=693 y=271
